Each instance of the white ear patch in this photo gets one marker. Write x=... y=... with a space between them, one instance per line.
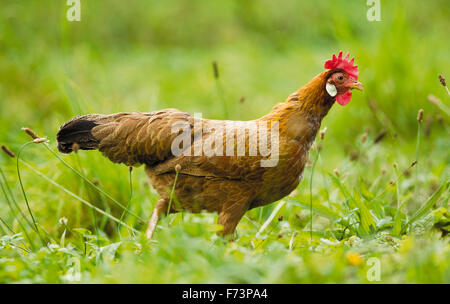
x=331 y=89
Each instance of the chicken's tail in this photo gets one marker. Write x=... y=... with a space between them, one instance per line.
x=77 y=133
x=128 y=138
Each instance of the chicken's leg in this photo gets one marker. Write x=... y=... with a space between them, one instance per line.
x=230 y=216
x=161 y=207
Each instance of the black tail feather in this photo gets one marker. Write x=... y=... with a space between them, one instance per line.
x=77 y=131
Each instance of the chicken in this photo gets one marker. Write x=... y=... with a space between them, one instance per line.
x=219 y=166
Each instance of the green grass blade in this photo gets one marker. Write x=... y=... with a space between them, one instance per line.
x=422 y=211
x=92 y=184
x=77 y=197
x=317 y=208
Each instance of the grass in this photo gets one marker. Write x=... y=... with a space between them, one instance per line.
x=378 y=188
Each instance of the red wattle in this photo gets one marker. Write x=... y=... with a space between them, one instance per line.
x=344 y=99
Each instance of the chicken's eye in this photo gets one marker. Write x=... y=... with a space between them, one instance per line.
x=340 y=77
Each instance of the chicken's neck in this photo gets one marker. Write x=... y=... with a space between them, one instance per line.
x=301 y=114
x=313 y=99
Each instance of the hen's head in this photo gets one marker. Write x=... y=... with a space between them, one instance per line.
x=342 y=79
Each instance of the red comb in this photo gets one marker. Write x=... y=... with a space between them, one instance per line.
x=339 y=63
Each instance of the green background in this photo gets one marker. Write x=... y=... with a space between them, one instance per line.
x=148 y=55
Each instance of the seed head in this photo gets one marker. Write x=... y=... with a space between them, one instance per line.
x=364 y=137
x=420 y=115
x=406 y=172
x=354 y=155
x=8 y=151
x=391 y=181
x=336 y=172
x=40 y=140
x=75 y=147
x=30 y=132
x=322 y=133
x=177 y=168
x=380 y=136
x=442 y=80
x=63 y=221
x=395 y=165
x=280 y=218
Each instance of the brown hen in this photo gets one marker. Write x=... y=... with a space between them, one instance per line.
x=232 y=174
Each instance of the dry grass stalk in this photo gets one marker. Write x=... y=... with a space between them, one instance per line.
x=380 y=136
x=436 y=101
x=433 y=99
x=215 y=69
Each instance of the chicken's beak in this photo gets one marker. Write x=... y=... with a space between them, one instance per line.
x=356 y=85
